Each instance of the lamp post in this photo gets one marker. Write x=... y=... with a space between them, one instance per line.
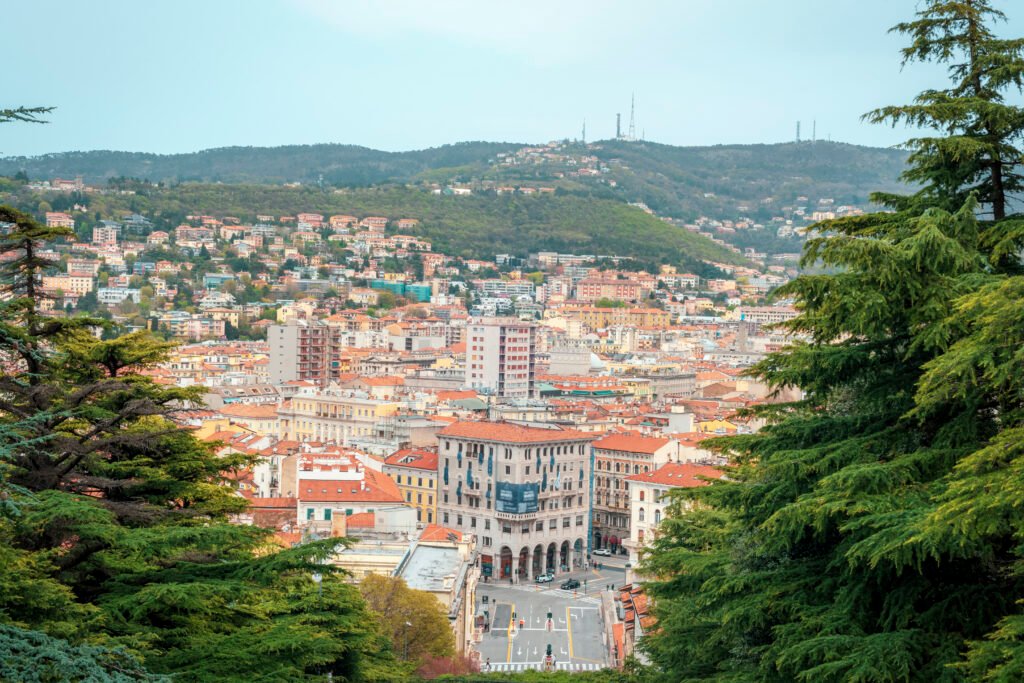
x=405 y=633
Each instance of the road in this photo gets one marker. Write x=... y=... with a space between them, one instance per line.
x=574 y=631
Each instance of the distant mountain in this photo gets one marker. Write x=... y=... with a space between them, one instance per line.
x=343 y=165
x=682 y=182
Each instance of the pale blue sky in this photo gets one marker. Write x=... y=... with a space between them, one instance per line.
x=182 y=75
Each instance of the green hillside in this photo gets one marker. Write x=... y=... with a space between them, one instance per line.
x=477 y=226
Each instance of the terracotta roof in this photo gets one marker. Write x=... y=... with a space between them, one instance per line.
x=631 y=442
x=361 y=520
x=507 y=432
x=378 y=488
x=415 y=458
x=260 y=411
x=436 y=532
x=682 y=474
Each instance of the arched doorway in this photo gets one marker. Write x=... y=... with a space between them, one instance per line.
x=538 y=561
x=577 y=553
x=563 y=557
x=597 y=540
x=524 y=565
x=552 y=550
x=505 y=562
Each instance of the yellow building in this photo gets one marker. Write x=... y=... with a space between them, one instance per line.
x=331 y=416
x=414 y=470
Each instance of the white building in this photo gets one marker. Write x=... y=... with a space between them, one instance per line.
x=525 y=492
x=500 y=357
x=111 y=296
x=648 y=500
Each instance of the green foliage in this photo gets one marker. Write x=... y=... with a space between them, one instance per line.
x=116 y=549
x=871 y=532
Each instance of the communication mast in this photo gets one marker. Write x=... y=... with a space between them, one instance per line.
x=798 y=131
x=632 y=117
x=618 y=126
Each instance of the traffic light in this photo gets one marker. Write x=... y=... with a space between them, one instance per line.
x=549 y=650
x=549 y=614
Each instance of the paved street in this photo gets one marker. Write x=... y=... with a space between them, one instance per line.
x=574 y=633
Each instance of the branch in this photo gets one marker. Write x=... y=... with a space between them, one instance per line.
x=25 y=114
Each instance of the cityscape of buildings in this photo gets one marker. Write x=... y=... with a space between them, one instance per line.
x=463 y=421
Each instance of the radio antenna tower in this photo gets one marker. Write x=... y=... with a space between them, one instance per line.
x=814 y=130
x=798 y=131
x=618 y=126
x=584 y=138
x=632 y=117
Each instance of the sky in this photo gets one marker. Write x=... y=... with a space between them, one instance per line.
x=171 y=76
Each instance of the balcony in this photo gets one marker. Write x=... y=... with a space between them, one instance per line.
x=515 y=516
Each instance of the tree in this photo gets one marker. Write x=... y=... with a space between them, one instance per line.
x=978 y=146
x=415 y=620
x=114 y=521
x=871 y=531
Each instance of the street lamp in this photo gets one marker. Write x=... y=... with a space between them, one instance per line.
x=405 y=632
x=318 y=580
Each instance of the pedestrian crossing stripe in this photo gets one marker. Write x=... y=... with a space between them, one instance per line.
x=539 y=666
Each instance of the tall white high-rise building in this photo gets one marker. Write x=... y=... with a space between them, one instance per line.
x=500 y=357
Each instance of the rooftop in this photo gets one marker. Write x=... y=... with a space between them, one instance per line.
x=507 y=432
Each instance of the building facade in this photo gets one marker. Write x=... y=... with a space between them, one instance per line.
x=331 y=415
x=617 y=457
x=648 y=498
x=525 y=492
x=414 y=470
x=501 y=357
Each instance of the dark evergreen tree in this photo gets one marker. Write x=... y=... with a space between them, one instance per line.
x=871 y=532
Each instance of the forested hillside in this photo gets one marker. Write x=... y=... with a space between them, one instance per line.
x=477 y=226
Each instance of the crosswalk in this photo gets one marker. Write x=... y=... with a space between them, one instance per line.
x=539 y=666
x=580 y=597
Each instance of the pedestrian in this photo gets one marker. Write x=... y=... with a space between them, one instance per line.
x=488 y=665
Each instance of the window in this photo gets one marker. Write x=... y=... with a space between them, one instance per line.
x=553 y=524
x=419 y=497
x=641 y=514
x=309 y=513
x=641 y=496
x=419 y=481
x=579 y=520
x=657 y=516
x=508 y=469
x=487 y=524
x=445 y=517
x=327 y=513
x=430 y=500
x=527 y=470
x=472 y=522
x=506 y=528
x=540 y=526
x=487 y=540
x=408 y=496
x=566 y=522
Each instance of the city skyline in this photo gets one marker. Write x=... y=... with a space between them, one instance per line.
x=170 y=79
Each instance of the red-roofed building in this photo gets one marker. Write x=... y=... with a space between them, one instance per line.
x=330 y=483
x=616 y=457
x=648 y=500
x=524 y=491
x=414 y=470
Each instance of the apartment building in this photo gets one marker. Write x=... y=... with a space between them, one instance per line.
x=617 y=457
x=331 y=415
x=501 y=356
x=525 y=492
x=648 y=499
x=414 y=470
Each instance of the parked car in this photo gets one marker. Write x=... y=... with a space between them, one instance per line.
x=546 y=577
x=603 y=551
x=571 y=584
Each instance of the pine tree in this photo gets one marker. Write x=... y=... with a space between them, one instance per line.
x=871 y=532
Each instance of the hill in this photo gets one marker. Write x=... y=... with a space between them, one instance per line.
x=342 y=165
x=678 y=181
x=477 y=226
